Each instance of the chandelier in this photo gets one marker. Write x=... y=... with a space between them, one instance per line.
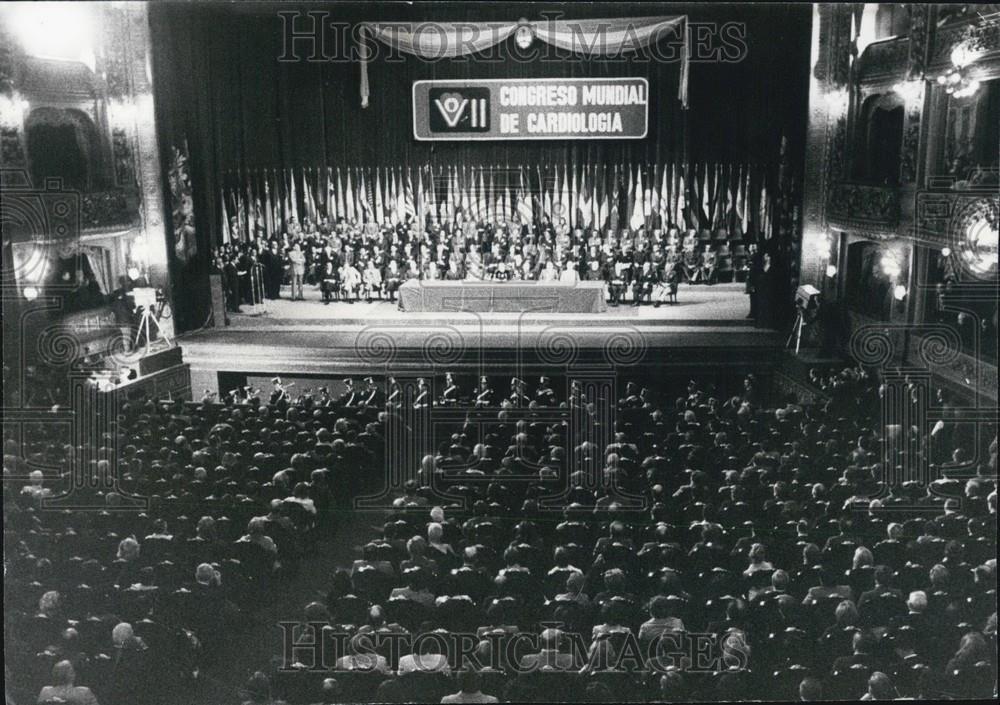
x=957 y=81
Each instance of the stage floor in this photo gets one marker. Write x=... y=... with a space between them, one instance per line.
x=707 y=329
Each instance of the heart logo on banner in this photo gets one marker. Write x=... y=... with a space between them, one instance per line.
x=451 y=106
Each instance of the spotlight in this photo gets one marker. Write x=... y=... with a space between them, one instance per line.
x=30 y=293
x=831 y=271
x=899 y=292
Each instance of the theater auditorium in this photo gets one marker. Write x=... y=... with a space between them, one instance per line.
x=463 y=352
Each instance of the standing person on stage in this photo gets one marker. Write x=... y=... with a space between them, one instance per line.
x=231 y=280
x=767 y=287
x=274 y=269
x=297 y=260
x=753 y=280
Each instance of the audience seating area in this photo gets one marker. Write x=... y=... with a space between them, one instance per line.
x=722 y=547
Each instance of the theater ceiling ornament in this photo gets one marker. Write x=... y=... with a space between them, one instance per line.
x=594 y=37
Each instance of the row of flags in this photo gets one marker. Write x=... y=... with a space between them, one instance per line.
x=734 y=197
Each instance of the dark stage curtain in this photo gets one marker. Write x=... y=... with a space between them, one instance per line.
x=221 y=90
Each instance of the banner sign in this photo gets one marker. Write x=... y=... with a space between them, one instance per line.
x=531 y=109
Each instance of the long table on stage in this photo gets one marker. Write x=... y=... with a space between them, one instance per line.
x=502 y=297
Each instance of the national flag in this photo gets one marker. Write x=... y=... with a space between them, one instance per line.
x=583 y=208
x=350 y=204
x=379 y=213
x=551 y=199
x=652 y=199
x=258 y=213
x=614 y=200
x=241 y=215
x=764 y=222
x=310 y=180
x=647 y=194
x=465 y=204
x=524 y=212
x=225 y=233
x=295 y=198
x=409 y=205
x=341 y=196
x=638 y=218
x=744 y=200
x=603 y=206
x=278 y=223
x=250 y=212
x=268 y=207
x=331 y=197
x=679 y=209
x=564 y=199
x=706 y=198
x=595 y=203
x=430 y=194
x=665 y=180
x=421 y=203
x=574 y=199
x=365 y=194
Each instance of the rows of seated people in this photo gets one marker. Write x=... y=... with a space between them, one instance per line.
x=734 y=550
x=734 y=518
x=110 y=602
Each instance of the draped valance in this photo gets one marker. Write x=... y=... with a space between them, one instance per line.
x=595 y=37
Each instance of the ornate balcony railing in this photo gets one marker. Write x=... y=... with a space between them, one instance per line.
x=869 y=210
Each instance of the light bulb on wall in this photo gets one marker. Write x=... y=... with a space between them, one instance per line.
x=831 y=271
x=30 y=293
x=899 y=292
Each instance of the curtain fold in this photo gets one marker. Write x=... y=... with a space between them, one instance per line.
x=594 y=37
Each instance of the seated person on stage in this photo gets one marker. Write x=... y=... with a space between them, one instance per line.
x=372 y=280
x=570 y=275
x=666 y=288
x=473 y=264
x=350 y=282
x=391 y=279
x=706 y=271
x=620 y=278
x=550 y=273
x=454 y=273
x=691 y=264
x=329 y=281
x=642 y=286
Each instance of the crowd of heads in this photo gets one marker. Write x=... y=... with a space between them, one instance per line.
x=720 y=543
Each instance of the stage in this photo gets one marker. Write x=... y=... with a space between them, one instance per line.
x=709 y=324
